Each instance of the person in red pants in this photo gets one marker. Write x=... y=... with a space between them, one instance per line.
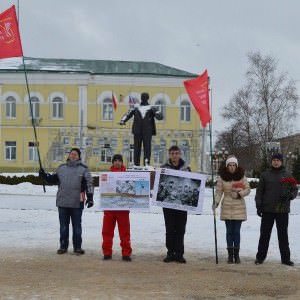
x=112 y=217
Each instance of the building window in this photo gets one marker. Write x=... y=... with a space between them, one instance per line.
x=32 y=150
x=35 y=107
x=57 y=108
x=185 y=150
x=133 y=101
x=58 y=153
x=105 y=155
x=107 y=109
x=77 y=142
x=10 y=150
x=89 y=141
x=161 y=106
x=10 y=107
x=131 y=154
x=96 y=152
x=185 y=111
x=66 y=140
x=159 y=155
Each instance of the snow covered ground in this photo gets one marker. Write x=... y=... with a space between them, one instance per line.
x=29 y=220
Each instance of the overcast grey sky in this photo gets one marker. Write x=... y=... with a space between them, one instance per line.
x=191 y=35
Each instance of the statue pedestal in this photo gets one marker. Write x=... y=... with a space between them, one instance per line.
x=141 y=168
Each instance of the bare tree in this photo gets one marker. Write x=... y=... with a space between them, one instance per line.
x=264 y=109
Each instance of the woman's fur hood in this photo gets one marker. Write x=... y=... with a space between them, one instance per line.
x=227 y=176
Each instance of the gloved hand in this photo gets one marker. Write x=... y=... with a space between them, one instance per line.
x=42 y=173
x=259 y=212
x=214 y=206
x=89 y=200
x=235 y=195
x=122 y=122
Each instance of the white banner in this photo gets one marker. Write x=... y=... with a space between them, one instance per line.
x=179 y=190
x=124 y=191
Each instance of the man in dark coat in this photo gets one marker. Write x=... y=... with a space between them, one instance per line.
x=273 y=204
x=74 y=180
x=143 y=127
x=175 y=220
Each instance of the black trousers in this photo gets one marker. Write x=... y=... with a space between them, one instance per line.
x=140 y=139
x=65 y=215
x=175 y=221
x=267 y=222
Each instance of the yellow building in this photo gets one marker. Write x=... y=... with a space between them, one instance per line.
x=72 y=106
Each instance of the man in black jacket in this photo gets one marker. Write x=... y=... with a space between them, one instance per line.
x=175 y=220
x=273 y=204
x=143 y=127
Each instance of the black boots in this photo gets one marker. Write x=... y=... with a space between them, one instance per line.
x=288 y=263
x=236 y=253
x=233 y=253
x=230 y=255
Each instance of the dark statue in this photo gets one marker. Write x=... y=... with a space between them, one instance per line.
x=143 y=127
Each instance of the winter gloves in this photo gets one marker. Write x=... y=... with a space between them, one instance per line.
x=259 y=212
x=89 y=200
x=42 y=173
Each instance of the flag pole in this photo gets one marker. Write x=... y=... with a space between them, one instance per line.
x=30 y=103
x=212 y=177
x=32 y=120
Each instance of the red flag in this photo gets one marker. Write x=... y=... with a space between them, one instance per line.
x=197 y=88
x=10 y=41
x=114 y=100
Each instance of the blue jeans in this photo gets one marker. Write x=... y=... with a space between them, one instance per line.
x=65 y=214
x=233 y=229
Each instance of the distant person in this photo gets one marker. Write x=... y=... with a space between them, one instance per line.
x=232 y=187
x=175 y=220
x=111 y=217
x=273 y=199
x=143 y=127
x=73 y=179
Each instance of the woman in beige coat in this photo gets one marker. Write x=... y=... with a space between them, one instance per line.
x=232 y=187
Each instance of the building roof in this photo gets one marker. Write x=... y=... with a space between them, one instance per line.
x=93 y=67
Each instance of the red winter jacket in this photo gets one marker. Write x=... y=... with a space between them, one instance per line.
x=122 y=169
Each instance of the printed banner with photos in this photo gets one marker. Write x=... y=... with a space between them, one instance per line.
x=124 y=191
x=179 y=190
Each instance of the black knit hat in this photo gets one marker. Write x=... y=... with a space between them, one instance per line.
x=77 y=150
x=117 y=157
x=277 y=156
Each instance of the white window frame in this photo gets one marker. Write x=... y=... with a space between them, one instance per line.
x=32 y=152
x=185 y=111
x=105 y=155
x=162 y=107
x=57 y=104
x=35 y=101
x=10 y=107
x=12 y=149
x=107 y=110
x=131 y=155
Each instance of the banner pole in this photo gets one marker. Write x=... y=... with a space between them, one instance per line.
x=212 y=178
x=32 y=120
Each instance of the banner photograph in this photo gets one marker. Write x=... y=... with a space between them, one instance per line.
x=124 y=191
x=179 y=190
